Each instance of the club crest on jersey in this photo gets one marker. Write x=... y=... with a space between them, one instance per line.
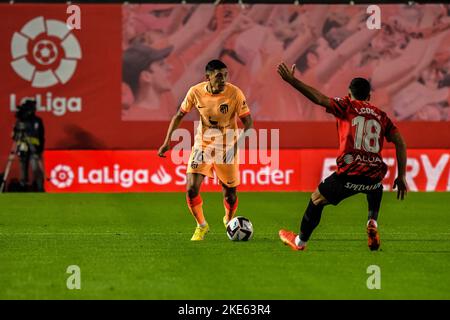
x=223 y=108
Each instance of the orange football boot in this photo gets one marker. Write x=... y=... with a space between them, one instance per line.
x=288 y=237
x=373 y=237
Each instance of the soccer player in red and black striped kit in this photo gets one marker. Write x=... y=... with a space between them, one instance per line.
x=362 y=128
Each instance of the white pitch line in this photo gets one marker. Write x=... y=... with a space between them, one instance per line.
x=183 y=233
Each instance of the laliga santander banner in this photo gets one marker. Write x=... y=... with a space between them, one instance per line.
x=144 y=171
x=299 y=170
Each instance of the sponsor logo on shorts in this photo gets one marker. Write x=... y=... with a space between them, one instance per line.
x=194 y=165
x=362 y=187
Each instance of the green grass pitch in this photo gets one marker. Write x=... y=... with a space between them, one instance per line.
x=137 y=246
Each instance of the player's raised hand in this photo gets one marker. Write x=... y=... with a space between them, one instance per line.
x=163 y=149
x=286 y=73
x=402 y=187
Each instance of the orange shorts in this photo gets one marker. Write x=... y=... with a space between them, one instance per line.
x=228 y=174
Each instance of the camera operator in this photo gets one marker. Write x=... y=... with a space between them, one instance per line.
x=29 y=136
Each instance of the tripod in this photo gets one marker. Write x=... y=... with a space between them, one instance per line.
x=11 y=157
x=19 y=147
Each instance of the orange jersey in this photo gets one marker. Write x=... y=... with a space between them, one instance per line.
x=218 y=113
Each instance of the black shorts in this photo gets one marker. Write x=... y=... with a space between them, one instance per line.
x=336 y=187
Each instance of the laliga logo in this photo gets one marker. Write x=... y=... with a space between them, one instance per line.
x=62 y=176
x=44 y=52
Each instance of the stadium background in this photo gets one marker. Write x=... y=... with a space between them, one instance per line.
x=136 y=245
x=94 y=121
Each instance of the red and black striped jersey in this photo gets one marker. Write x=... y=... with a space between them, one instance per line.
x=361 y=128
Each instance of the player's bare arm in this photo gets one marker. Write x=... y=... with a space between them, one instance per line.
x=247 y=121
x=400 y=180
x=311 y=93
x=174 y=123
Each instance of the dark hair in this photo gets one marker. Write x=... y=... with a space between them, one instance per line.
x=215 y=65
x=360 y=88
x=137 y=58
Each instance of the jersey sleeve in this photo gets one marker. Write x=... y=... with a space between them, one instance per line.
x=242 y=107
x=339 y=106
x=389 y=129
x=188 y=102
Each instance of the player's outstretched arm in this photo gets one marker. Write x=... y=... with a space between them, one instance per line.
x=174 y=123
x=400 y=180
x=311 y=93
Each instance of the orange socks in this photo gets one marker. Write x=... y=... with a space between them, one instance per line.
x=230 y=210
x=196 y=207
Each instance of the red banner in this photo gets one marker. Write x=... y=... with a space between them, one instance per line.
x=74 y=75
x=77 y=79
x=299 y=170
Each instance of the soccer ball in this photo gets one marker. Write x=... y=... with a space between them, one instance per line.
x=239 y=229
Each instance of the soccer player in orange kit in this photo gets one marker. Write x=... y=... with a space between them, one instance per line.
x=219 y=104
